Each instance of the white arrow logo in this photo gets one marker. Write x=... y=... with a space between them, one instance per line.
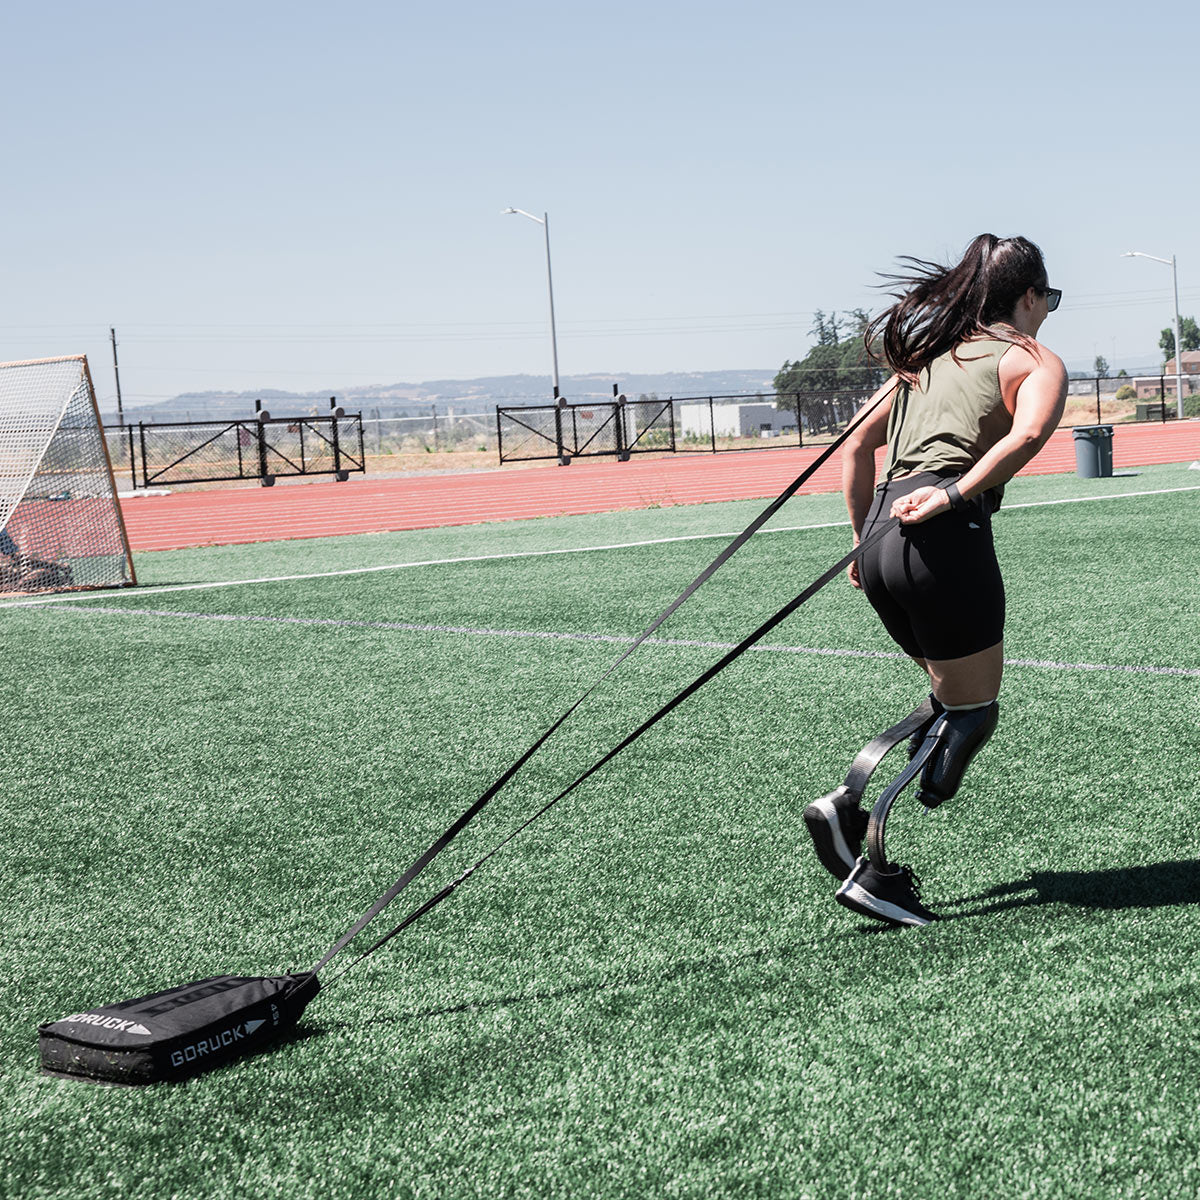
x=251 y=1026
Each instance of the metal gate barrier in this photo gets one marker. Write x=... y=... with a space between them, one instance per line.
x=564 y=431
x=264 y=448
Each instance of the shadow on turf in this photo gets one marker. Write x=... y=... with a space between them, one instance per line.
x=1157 y=885
x=628 y=979
x=1154 y=886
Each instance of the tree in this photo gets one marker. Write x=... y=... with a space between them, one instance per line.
x=787 y=379
x=816 y=372
x=857 y=369
x=1100 y=366
x=825 y=328
x=859 y=319
x=832 y=365
x=1189 y=335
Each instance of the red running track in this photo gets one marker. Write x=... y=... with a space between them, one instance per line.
x=218 y=518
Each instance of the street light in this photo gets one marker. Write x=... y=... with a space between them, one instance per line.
x=544 y=221
x=1170 y=262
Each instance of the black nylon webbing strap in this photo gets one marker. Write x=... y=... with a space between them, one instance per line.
x=730 y=550
x=877 y=534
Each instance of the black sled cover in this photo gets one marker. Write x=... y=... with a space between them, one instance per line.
x=175 y=1033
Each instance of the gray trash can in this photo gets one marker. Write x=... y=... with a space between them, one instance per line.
x=1093 y=451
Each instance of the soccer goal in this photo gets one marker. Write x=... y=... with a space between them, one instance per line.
x=60 y=523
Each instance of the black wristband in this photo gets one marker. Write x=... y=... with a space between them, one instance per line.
x=957 y=501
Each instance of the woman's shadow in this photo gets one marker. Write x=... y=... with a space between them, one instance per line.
x=1153 y=886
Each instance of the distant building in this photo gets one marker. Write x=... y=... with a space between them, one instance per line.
x=735 y=420
x=1148 y=387
x=1191 y=363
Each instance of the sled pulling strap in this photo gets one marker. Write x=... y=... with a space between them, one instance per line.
x=786 y=611
x=725 y=555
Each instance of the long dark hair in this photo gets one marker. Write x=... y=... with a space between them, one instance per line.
x=939 y=307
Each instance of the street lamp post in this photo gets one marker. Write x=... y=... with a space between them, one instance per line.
x=544 y=221
x=1170 y=262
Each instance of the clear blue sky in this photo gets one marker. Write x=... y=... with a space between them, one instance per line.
x=308 y=196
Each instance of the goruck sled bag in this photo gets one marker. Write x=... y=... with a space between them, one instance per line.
x=175 y=1033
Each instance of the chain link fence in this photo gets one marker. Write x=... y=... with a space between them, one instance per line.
x=441 y=430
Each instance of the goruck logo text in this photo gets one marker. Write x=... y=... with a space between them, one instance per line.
x=103 y=1022
x=214 y=1044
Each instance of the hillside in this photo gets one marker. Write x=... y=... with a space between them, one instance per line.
x=466 y=395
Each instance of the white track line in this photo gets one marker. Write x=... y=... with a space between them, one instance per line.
x=542 y=635
x=138 y=593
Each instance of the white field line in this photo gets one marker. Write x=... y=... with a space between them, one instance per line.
x=138 y=593
x=618 y=639
x=134 y=594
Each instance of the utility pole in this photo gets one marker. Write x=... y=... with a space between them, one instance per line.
x=116 y=371
x=544 y=222
x=1169 y=262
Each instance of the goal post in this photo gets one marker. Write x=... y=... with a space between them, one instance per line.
x=61 y=527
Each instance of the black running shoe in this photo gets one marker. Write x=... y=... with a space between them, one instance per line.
x=891 y=896
x=837 y=825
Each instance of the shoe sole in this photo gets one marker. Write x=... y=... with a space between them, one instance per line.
x=851 y=896
x=825 y=829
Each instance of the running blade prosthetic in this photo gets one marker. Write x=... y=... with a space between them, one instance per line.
x=837 y=823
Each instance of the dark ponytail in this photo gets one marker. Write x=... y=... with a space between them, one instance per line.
x=939 y=307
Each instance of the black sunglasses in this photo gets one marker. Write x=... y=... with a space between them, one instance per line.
x=1053 y=296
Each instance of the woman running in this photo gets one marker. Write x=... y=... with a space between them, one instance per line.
x=973 y=398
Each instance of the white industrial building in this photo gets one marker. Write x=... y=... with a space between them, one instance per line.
x=735 y=420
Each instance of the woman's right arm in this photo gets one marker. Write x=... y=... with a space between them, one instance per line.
x=858 y=463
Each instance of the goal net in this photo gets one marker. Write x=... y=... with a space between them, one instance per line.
x=60 y=523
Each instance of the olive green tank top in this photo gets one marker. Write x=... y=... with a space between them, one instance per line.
x=952 y=417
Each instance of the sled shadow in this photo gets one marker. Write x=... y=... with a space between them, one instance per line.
x=1154 y=886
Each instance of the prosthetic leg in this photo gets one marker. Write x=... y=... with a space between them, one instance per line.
x=836 y=822
x=950 y=744
x=890 y=893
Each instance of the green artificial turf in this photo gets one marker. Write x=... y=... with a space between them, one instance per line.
x=651 y=991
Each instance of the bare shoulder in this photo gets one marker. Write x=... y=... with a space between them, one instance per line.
x=1033 y=362
x=1021 y=359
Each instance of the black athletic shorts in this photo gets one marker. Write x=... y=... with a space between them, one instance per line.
x=936 y=586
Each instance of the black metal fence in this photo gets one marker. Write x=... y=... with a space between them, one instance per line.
x=678 y=424
x=565 y=431
x=1153 y=397
x=264 y=448
x=715 y=424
